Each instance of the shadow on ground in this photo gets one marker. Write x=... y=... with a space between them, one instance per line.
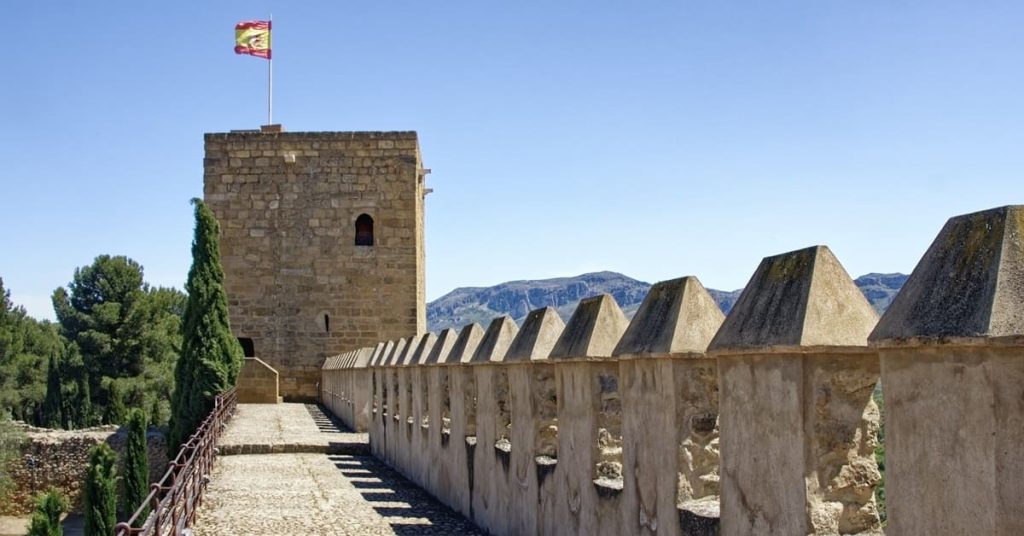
x=419 y=513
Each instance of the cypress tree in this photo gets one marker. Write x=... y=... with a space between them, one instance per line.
x=210 y=356
x=84 y=403
x=136 y=465
x=101 y=491
x=115 y=413
x=46 y=518
x=53 y=415
x=156 y=417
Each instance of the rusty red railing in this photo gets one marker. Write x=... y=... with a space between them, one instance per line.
x=173 y=500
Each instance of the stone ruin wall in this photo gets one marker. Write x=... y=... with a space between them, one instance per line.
x=60 y=458
x=297 y=284
x=683 y=421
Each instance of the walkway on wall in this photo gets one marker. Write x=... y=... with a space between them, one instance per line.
x=292 y=469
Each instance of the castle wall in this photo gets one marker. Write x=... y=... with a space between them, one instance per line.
x=682 y=423
x=297 y=283
x=60 y=458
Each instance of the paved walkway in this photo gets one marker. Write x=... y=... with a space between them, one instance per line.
x=309 y=482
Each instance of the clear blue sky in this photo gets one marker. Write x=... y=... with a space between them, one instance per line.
x=657 y=139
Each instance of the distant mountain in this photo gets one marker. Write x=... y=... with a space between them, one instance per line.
x=880 y=289
x=517 y=298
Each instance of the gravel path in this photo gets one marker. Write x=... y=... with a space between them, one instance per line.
x=312 y=493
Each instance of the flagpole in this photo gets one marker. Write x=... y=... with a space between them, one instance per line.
x=270 y=75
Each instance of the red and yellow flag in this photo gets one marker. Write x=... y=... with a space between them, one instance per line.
x=253 y=38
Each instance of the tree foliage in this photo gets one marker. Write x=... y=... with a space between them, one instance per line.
x=136 y=464
x=101 y=491
x=127 y=334
x=26 y=347
x=210 y=356
x=46 y=518
x=11 y=439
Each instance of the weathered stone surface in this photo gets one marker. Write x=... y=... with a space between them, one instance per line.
x=593 y=331
x=466 y=344
x=285 y=489
x=264 y=429
x=362 y=358
x=951 y=349
x=257 y=382
x=794 y=347
x=699 y=517
x=405 y=358
x=537 y=337
x=59 y=458
x=801 y=298
x=375 y=356
x=424 y=343
x=677 y=316
x=397 y=351
x=496 y=340
x=297 y=283
x=443 y=347
x=970 y=282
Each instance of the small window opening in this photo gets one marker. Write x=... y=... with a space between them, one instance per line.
x=248 y=348
x=327 y=323
x=364 y=230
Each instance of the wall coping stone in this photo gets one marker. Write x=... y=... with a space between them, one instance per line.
x=442 y=347
x=970 y=282
x=500 y=333
x=594 y=329
x=465 y=346
x=677 y=316
x=537 y=337
x=800 y=298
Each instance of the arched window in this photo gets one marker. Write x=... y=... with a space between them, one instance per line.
x=248 y=348
x=364 y=230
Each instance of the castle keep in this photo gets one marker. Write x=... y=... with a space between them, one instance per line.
x=321 y=243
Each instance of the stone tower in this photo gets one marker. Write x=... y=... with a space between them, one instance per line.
x=321 y=243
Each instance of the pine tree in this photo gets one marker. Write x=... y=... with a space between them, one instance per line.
x=210 y=356
x=101 y=491
x=136 y=465
x=46 y=518
x=53 y=415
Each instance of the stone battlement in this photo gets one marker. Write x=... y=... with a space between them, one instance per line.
x=684 y=421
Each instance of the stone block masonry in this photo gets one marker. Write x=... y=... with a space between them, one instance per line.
x=687 y=423
x=321 y=243
x=59 y=458
x=257 y=383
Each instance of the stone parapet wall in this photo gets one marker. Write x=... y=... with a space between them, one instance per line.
x=59 y=458
x=683 y=421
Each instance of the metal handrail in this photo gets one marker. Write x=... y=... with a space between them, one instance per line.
x=173 y=500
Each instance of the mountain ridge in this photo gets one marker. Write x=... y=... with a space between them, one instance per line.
x=517 y=298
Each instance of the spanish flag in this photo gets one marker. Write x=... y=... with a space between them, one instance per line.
x=253 y=38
